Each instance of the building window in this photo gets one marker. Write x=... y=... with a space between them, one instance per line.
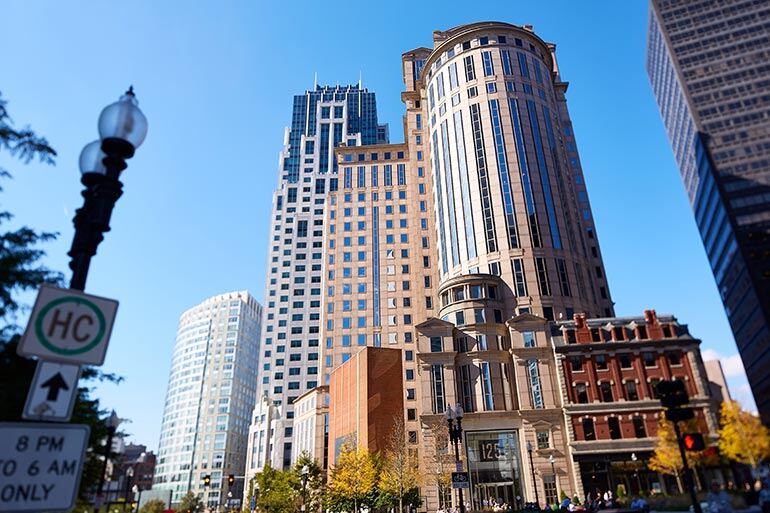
x=534 y=383
x=581 y=393
x=529 y=338
x=466 y=388
x=549 y=485
x=437 y=388
x=601 y=362
x=588 y=429
x=486 y=386
x=674 y=358
x=649 y=359
x=518 y=274
x=577 y=363
x=542 y=277
x=435 y=345
x=625 y=360
x=605 y=390
x=639 y=430
x=631 y=393
x=543 y=439
x=470 y=71
x=614 y=425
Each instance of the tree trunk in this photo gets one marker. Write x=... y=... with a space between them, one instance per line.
x=679 y=482
x=401 y=503
x=698 y=482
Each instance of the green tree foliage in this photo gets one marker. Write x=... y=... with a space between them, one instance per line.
x=153 y=506
x=21 y=270
x=316 y=482
x=190 y=503
x=276 y=491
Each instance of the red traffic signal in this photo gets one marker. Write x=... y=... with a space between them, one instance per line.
x=207 y=480
x=231 y=480
x=693 y=442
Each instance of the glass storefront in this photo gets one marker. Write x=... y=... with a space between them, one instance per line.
x=494 y=464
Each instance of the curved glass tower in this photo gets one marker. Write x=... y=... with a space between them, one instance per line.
x=211 y=393
x=509 y=190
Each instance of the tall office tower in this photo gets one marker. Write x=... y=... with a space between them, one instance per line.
x=210 y=397
x=381 y=271
x=708 y=66
x=517 y=247
x=322 y=119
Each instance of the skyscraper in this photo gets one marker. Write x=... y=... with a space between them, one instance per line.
x=708 y=66
x=517 y=247
x=322 y=119
x=210 y=397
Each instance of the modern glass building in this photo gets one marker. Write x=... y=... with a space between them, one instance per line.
x=708 y=63
x=322 y=119
x=210 y=398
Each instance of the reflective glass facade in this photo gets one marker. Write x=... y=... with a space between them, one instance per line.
x=708 y=67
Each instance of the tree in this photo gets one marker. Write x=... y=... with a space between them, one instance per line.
x=277 y=491
x=190 y=503
x=441 y=461
x=153 y=506
x=400 y=473
x=21 y=270
x=742 y=437
x=353 y=480
x=666 y=459
x=316 y=481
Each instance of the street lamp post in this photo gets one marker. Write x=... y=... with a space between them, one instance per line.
x=122 y=128
x=636 y=473
x=454 y=422
x=532 y=468
x=304 y=474
x=129 y=475
x=112 y=426
x=552 y=461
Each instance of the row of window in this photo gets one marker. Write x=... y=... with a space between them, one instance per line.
x=625 y=360
x=613 y=424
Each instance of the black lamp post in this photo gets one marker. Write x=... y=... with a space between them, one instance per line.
x=122 y=128
x=532 y=467
x=454 y=420
x=304 y=474
x=112 y=426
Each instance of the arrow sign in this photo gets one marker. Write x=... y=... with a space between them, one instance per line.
x=55 y=384
x=53 y=391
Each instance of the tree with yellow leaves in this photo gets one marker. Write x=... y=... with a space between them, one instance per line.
x=353 y=479
x=742 y=437
x=400 y=474
x=666 y=459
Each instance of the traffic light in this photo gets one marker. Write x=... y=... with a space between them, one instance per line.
x=672 y=393
x=693 y=442
x=231 y=480
x=679 y=414
x=207 y=480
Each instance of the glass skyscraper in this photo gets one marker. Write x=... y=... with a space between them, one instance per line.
x=709 y=66
x=322 y=119
x=210 y=397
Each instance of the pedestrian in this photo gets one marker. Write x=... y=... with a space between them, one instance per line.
x=719 y=500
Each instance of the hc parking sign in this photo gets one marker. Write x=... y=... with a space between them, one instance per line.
x=69 y=326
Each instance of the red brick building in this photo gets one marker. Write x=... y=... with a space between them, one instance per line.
x=366 y=397
x=610 y=367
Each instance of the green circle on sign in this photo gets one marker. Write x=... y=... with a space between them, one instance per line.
x=60 y=350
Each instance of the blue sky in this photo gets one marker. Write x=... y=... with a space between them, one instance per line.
x=215 y=80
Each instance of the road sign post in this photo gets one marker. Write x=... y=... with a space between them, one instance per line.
x=41 y=466
x=69 y=326
x=53 y=391
x=460 y=480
